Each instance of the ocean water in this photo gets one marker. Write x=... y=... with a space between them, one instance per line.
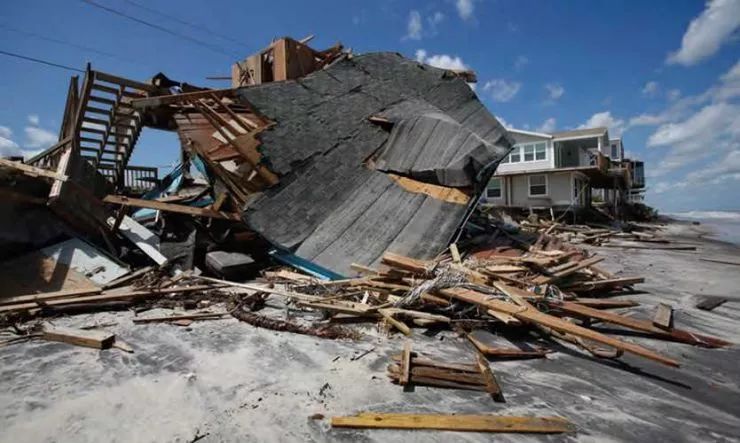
x=725 y=225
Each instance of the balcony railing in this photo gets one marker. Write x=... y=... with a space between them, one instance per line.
x=136 y=179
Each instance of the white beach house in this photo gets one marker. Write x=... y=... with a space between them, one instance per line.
x=560 y=170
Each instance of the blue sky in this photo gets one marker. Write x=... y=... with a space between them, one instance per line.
x=664 y=74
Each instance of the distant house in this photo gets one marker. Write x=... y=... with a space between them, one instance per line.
x=560 y=170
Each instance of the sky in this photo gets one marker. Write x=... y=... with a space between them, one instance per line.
x=663 y=75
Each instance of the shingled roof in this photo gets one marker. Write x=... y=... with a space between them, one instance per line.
x=339 y=200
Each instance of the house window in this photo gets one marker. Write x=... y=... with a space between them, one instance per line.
x=494 y=188
x=540 y=151
x=537 y=185
x=615 y=151
x=528 y=153
x=515 y=155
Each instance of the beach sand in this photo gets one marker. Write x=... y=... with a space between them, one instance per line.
x=235 y=382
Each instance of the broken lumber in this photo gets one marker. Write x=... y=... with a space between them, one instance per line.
x=447 y=422
x=170 y=207
x=638 y=325
x=710 y=302
x=80 y=337
x=663 y=318
x=534 y=316
x=483 y=341
x=492 y=386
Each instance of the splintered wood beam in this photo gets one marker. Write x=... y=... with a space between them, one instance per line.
x=446 y=422
x=405 y=364
x=401 y=326
x=48 y=296
x=492 y=386
x=80 y=337
x=663 y=318
x=692 y=338
x=169 y=207
x=443 y=193
x=33 y=171
x=530 y=315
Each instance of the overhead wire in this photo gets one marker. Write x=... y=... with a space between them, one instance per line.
x=38 y=60
x=184 y=22
x=159 y=28
x=63 y=42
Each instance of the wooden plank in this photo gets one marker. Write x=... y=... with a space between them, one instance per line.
x=535 y=316
x=602 y=284
x=484 y=342
x=437 y=382
x=33 y=171
x=504 y=318
x=405 y=263
x=405 y=363
x=442 y=193
x=173 y=99
x=396 y=324
x=638 y=325
x=709 y=303
x=169 y=207
x=48 y=296
x=601 y=303
x=492 y=386
x=105 y=297
x=445 y=422
x=455 y=253
x=663 y=318
x=423 y=361
x=167 y=318
x=80 y=337
x=427 y=372
x=570 y=270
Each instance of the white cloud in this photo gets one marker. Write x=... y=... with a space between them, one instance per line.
x=707 y=32
x=733 y=74
x=709 y=120
x=465 y=9
x=502 y=90
x=33 y=119
x=548 y=125
x=520 y=62
x=616 y=126
x=39 y=138
x=650 y=89
x=414 y=27
x=8 y=147
x=442 y=61
x=673 y=94
x=647 y=120
x=554 y=90
x=436 y=18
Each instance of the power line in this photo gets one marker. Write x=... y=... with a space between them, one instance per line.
x=43 y=62
x=186 y=23
x=64 y=42
x=158 y=27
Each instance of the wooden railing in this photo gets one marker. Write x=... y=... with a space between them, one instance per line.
x=136 y=179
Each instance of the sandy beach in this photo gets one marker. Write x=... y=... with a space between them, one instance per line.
x=229 y=381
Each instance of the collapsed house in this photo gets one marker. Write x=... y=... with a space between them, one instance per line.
x=330 y=158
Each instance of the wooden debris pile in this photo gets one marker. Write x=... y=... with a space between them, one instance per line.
x=547 y=285
x=629 y=235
